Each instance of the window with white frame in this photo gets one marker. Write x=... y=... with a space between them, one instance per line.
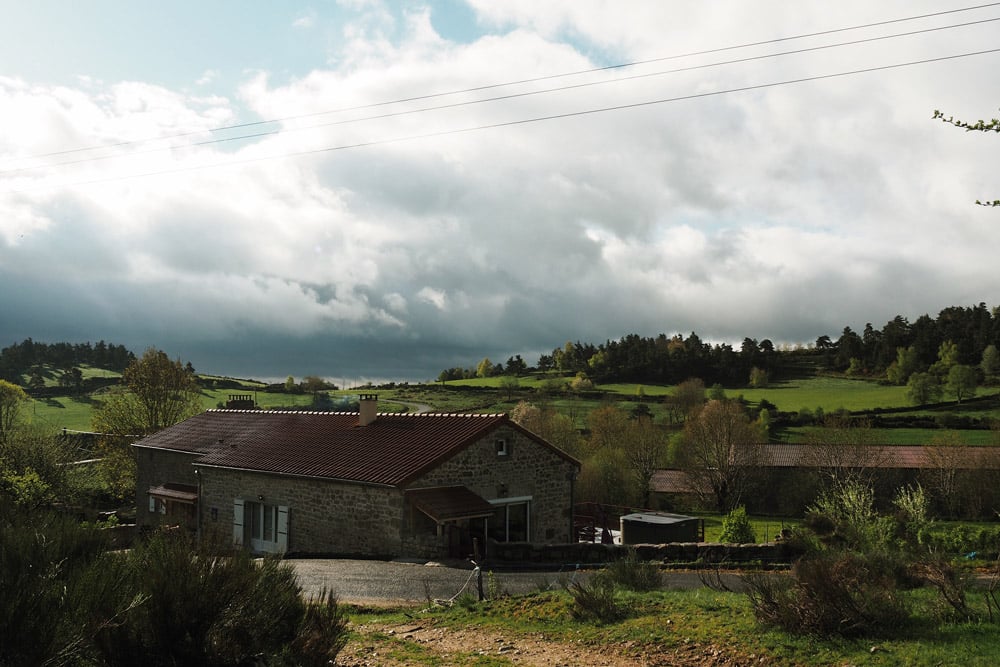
x=260 y=526
x=502 y=447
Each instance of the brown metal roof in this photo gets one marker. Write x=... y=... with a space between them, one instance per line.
x=444 y=503
x=677 y=481
x=899 y=457
x=909 y=457
x=393 y=450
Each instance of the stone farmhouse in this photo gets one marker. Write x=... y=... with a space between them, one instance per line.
x=362 y=483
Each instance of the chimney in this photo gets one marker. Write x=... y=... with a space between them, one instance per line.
x=367 y=409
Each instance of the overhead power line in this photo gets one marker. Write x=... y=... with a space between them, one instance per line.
x=522 y=121
x=498 y=98
x=548 y=77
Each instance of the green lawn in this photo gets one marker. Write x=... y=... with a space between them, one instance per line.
x=664 y=627
x=764 y=527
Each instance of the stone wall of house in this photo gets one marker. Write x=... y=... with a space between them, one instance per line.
x=529 y=469
x=324 y=516
x=153 y=468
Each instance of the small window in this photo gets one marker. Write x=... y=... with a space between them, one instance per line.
x=503 y=448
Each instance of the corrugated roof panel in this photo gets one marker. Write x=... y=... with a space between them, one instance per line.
x=391 y=450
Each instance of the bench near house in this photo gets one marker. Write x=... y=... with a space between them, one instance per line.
x=362 y=483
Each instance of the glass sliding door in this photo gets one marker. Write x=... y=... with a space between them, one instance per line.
x=512 y=520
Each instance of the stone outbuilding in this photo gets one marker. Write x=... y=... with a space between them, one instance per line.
x=355 y=483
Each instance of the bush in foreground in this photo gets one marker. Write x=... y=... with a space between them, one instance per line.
x=841 y=594
x=65 y=600
x=595 y=600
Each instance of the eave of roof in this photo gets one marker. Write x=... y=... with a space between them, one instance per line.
x=185 y=493
x=448 y=503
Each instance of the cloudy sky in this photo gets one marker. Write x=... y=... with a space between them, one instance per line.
x=366 y=189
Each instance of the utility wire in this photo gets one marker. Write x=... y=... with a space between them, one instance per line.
x=511 y=83
x=523 y=121
x=454 y=105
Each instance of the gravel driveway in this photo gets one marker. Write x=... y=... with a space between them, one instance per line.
x=369 y=581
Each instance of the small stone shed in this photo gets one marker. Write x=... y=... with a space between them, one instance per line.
x=355 y=483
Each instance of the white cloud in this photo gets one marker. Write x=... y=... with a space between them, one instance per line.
x=305 y=20
x=207 y=77
x=435 y=297
x=784 y=212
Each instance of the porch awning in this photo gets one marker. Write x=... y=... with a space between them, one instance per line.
x=178 y=493
x=449 y=503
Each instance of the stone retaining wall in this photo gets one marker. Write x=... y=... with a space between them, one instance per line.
x=681 y=552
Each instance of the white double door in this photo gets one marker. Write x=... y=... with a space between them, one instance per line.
x=262 y=527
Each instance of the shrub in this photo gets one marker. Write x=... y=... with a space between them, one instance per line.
x=596 y=600
x=57 y=588
x=204 y=609
x=633 y=574
x=956 y=540
x=831 y=594
x=913 y=516
x=850 y=507
x=736 y=528
x=66 y=600
x=322 y=633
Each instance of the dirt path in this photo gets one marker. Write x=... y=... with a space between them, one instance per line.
x=421 y=642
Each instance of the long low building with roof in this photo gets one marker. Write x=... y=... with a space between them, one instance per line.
x=962 y=477
x=355 y=483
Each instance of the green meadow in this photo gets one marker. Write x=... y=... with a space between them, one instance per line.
x=487 y=395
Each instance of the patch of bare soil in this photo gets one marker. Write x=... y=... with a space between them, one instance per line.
x=423 y=643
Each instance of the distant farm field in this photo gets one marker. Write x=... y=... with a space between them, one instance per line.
x=902 y=436
x=486 y=395
x=830 y=394
x=61 y=412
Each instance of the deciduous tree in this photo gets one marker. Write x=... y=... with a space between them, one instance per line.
x=314 y=384
x=555 y=427
x=485 y=368
x=904 y=366
x=721 y=452
x=961 y=382
x=12 y=401
x=923 y=388
x=758 y=377
x=157 y=393
x=845 y=452
x=645 y=447
x=687 y=397
x=509 y=384
x=944 y=459
x=990 y=365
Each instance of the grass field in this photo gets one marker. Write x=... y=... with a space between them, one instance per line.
x=61 y=412
x=665 y=627
x=830 y=394
x=486 y=395
x=901 y=436
x=764 y=528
